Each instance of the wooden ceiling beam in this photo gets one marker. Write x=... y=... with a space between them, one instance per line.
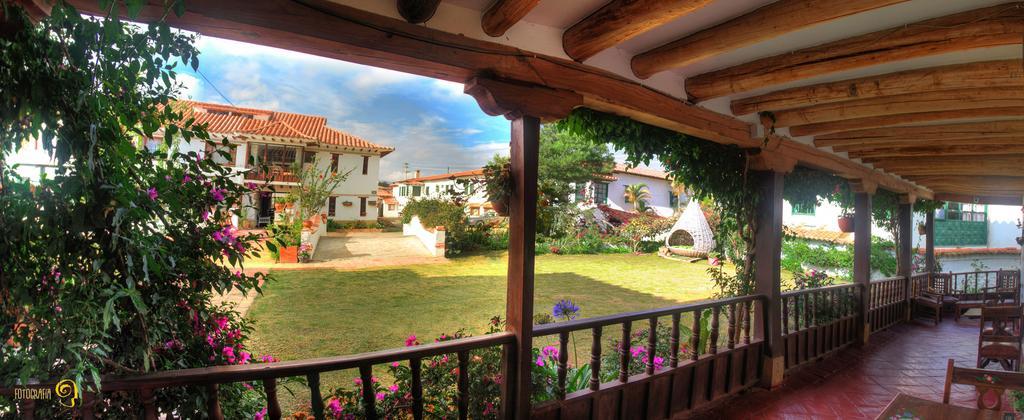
x=985 y=74
x=987 y=27
x=950 y=100
x=505 y=13
x=870 y=155
x=770 y=21
x=904 y=119
x=981 y=198
x=928 y=132
x=850 y=145
x=1005 y=165
x=1007 y=184
x=620 y=20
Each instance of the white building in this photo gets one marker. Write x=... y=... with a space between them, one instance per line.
x=282 y=140
x=966 y=235
x=467 y=184
x=611 y=191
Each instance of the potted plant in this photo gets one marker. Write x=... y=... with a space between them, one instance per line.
x=279 y=204
x=288 y=236
x=305 y=252
x=921 y=230
x=845 y=222
x=498 y=183
x=346 y=203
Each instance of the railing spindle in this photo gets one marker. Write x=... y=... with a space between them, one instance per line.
x=416 y=368
x=695 y=336
x=627 y=342
x=315 y=400
x=149 y=402
x=88 y=406
x=273 y=407
x=563 y=359
x=595 y=359
x=212 y=403
x=652 y=343
x=27 y=409
x=808 y=309
x=796 y=313
x=369 y=399
x=463 y=384
x=673 y=342
x=732 y=327
x=713 y=337
x=785 y=315
x=746 y=321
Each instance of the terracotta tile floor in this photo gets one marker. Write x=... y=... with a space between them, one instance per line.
x=858 y=383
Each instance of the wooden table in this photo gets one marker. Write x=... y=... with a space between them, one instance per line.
x=909 y=407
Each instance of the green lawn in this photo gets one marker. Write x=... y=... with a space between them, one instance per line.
x=305 y=314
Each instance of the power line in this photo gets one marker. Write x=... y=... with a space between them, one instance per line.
x=222 y=95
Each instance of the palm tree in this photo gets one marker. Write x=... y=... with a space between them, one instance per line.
x=637 y=195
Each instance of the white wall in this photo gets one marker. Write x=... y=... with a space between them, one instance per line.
x=659 y=190
x=825 y=217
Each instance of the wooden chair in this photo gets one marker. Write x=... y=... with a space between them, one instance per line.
x=929 y=302
x=989 y=384
x=999 y=337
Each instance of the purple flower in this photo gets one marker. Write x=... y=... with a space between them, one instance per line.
x=335 y=407
x=205 y=216
x=186 y=178
x=380 y=396
x=393 y=388
x=217 y=194
x=151 y=192
x=261 y=415
x=550 y=351
x=244 y=357
x=540 y=361
x=565 y=309
x=410 y=341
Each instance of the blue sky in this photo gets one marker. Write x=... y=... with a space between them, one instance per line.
x=431 y=124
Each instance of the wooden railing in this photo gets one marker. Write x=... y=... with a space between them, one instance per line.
x=208 y=378
x=726 y=361
x=818 y=321
x=888 y=302
x=272 y=174
x=919 y=283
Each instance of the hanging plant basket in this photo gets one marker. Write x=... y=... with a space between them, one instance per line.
x=347 y=203
x=500 y=207
x=846 y=224
x=921 y=229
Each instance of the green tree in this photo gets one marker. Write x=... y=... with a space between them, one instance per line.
x=567 y=159
x=316 y=183
x=109 y=265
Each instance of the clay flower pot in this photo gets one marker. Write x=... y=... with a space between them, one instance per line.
x=278 y=207
x=306 y=224
x=846 y=224
x=289 y=254
x=500 y=207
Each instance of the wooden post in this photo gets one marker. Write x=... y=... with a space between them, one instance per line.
x=521 y=241
x=862 y=251
x=929 y=244
x=904 y=265
x=767 y=274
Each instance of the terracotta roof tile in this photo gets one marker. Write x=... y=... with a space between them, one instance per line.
x=474 y=173
x=237 y=120
x=650 y=173
x=384 y=194
x=954 y=252
x=819 y=234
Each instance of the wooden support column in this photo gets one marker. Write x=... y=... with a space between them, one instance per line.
x=862 y=250
x=767 y=274
x=929 y=243
x=904 y=266
x=522 y=225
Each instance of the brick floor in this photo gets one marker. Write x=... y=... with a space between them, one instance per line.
x=858 y=382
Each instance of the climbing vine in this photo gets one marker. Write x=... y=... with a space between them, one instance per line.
x=709 y=170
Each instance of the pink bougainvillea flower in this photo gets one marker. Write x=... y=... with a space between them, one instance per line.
x=217 y=194
x=357 y=381
x=222 y=323
x=335 y=407
x=380 y=396
x=151 y=192
x=373 y=379
x=715 y=262
x=205 y=215
x=251 y=185
x=540 y=360
x=58 y=309
x=186 y=178
x=410 y=341
x=247 y=386
x=260 y=415
x=395 y=364
x=243 y=357
x=393 y=388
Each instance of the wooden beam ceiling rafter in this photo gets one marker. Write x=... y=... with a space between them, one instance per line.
x=986 y=27
x=857 y=146
x=980 y=198
x=987 y=74
x=928 y=132
x=952 y=100
x=1003 y=165
x=620 y=20
x=1007 y=112
x=770 y=21
x=870 y=155
x=503 y=14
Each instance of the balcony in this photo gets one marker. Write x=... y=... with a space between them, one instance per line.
x=273 y=174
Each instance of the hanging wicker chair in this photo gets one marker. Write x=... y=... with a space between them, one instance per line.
x=691 y=235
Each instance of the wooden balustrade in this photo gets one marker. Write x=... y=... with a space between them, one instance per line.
x=268 y=373
x=719 y=360
x=919 y=283
x=888 y=304
x=816 y=322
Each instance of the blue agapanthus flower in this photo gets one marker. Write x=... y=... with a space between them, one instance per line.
x=565 y=309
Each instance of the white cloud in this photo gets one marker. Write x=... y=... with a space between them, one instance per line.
x=471 y=131
x=443 y=89
x=190 y=86
x=371 y=79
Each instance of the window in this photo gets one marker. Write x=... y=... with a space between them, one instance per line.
x=960 y=224
x=366 y=165
x=426 y=190
x=600 y=193
x=275 y=155
x=963 y=212
x=391 y=207
x=308 y=157
x=803 y=209
x=581 y=193
x=416 y=190
x=673 y=199
x=332 y=206
x=403 y=191
x=334 y=162
x=362 y=206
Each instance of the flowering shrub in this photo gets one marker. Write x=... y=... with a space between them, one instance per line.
x=439 y=376
x=110 y=262
x=305 y=251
